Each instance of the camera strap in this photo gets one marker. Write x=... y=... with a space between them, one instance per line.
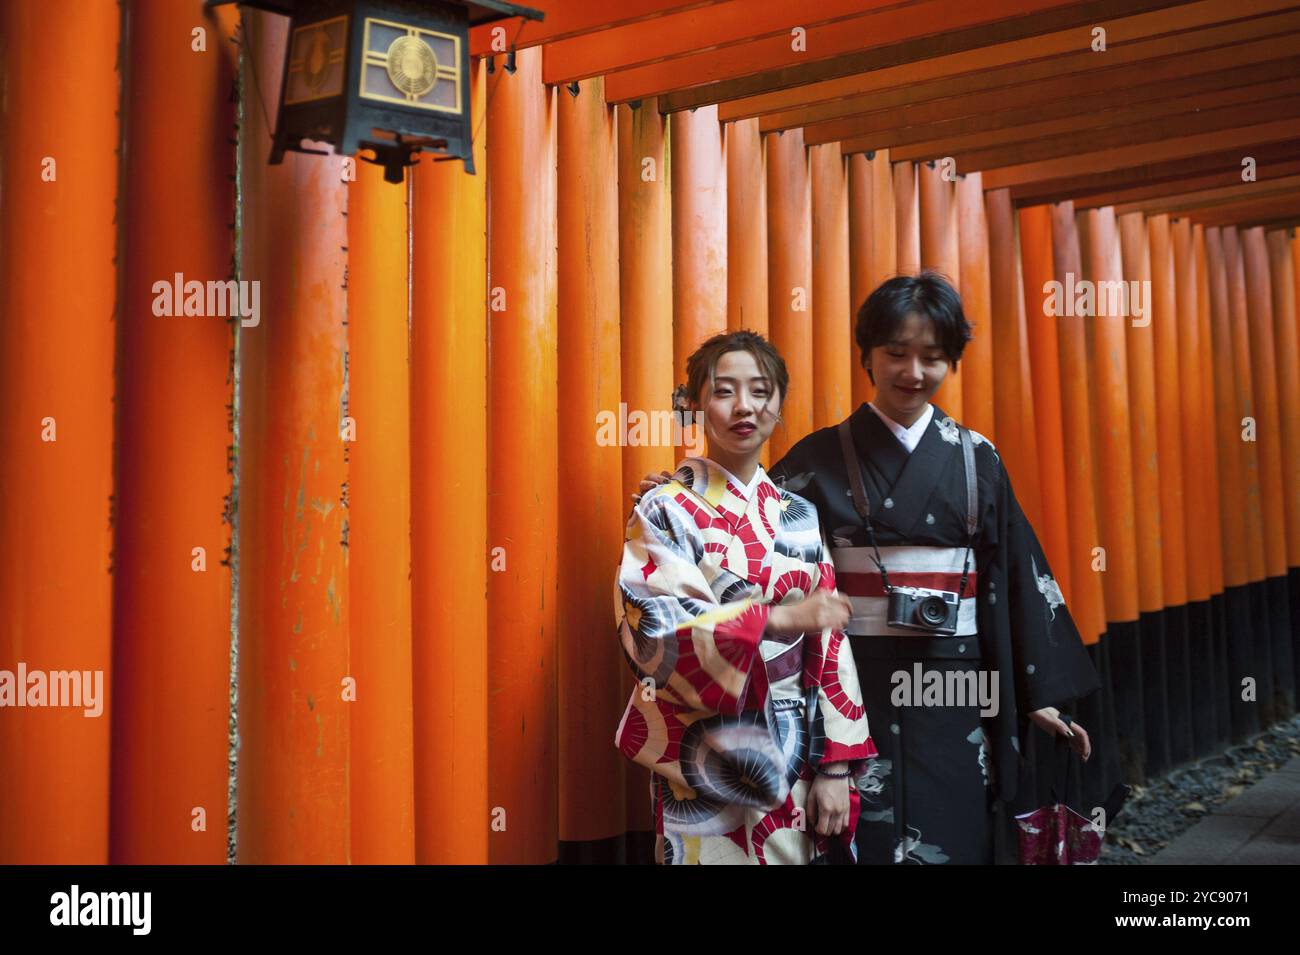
x=862 y=504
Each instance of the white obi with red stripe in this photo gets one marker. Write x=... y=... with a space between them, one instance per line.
x=935 y=568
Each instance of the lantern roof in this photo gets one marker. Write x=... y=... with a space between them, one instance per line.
x=480 y=11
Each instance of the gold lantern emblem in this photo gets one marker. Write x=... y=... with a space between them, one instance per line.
x=316 y=61
x=411 y=65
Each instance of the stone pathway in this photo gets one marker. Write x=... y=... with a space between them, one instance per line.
x=1259 y=827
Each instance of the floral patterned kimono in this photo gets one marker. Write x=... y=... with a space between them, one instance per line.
x=731 y=720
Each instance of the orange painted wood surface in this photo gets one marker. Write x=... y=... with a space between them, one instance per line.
x=1044 y=358
x=1144 y=418
x=591 y=771
x=982 y=290
x=746 y=228
x=699 y=225
x=449 y=462
x=789 y=281
x=872 y=246
x=382 y=769
x=1199 y=497
x=57 y=380
x=1089 y=610
x=172 y=696
x=1286 y=342
x=939 y=254
x=522 y=466
x=832 y=313
x=293 y=800
x=1108 y=380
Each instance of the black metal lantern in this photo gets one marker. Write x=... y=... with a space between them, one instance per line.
x=390 y=76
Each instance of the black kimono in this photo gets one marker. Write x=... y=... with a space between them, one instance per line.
x=947 y=711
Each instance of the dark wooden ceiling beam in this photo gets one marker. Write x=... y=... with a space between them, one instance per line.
x=1230 y=175
x=1156 y=33
x=916 y=31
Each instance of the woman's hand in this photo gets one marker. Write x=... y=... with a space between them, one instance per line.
x=1049 y=719
x=824 y=609
x=828 y=802
x=650 y=482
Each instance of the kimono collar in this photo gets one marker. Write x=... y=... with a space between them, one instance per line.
x=719 y=489
x=910 y=437
x=910 y=479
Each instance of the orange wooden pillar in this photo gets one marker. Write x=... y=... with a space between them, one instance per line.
x=1166 y=310
x=1264 y=381
x=1241 y=639
x=986 y=278
x=522 y=461
x=939 y=254
x=746 y=227
x=381 y=773
x=1017 y=444
x=58 y=287
x=1286 y=338
x=1083 y=488
x=1044 y=358
x=832 y=313
x=1089 y=608
x=293 y=560
x=1263 y=353
x=1108 y=374
x=449 y=495
x=646 y=355
x=699 y=229
x=1197 y=502
x=907 y=219
x=1207 y=357
x=1144 y=471
x=789 y=280
x=872 y=237
x=1199 y=498
x=172 y=696
x=1161 y=697
x=592 y=697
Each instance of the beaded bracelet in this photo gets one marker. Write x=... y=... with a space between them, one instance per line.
x=844 y=775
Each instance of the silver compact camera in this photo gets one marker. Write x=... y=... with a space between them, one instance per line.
x=919 y=608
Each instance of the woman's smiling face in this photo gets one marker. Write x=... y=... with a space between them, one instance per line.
x=908 y=369
x=740 y=407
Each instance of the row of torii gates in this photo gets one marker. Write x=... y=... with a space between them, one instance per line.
x=426 y=668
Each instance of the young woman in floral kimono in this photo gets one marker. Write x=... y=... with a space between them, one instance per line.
x=748 y=710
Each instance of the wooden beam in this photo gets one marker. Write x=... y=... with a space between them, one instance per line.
x=1138 y=171
x=1181 y=185
x=1233 y=106
x=1158 y=33
x=690 y=31
x=1123 y=145
x=568 y=18
x=1207 y=198
x=1249 y=213
x=873 y=41
x=932 y=27
x=1070 y=95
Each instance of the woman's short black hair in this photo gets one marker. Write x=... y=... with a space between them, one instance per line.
x=929 y=295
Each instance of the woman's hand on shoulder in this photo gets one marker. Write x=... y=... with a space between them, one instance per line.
x=649 y=483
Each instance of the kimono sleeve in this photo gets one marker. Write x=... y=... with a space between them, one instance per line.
x=699 y=653
x=829 y=666
x=1052 y=667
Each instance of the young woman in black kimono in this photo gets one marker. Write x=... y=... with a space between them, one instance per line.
x=949 y=683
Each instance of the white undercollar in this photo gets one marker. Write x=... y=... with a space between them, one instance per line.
x=909 y=437
x=746 y=490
